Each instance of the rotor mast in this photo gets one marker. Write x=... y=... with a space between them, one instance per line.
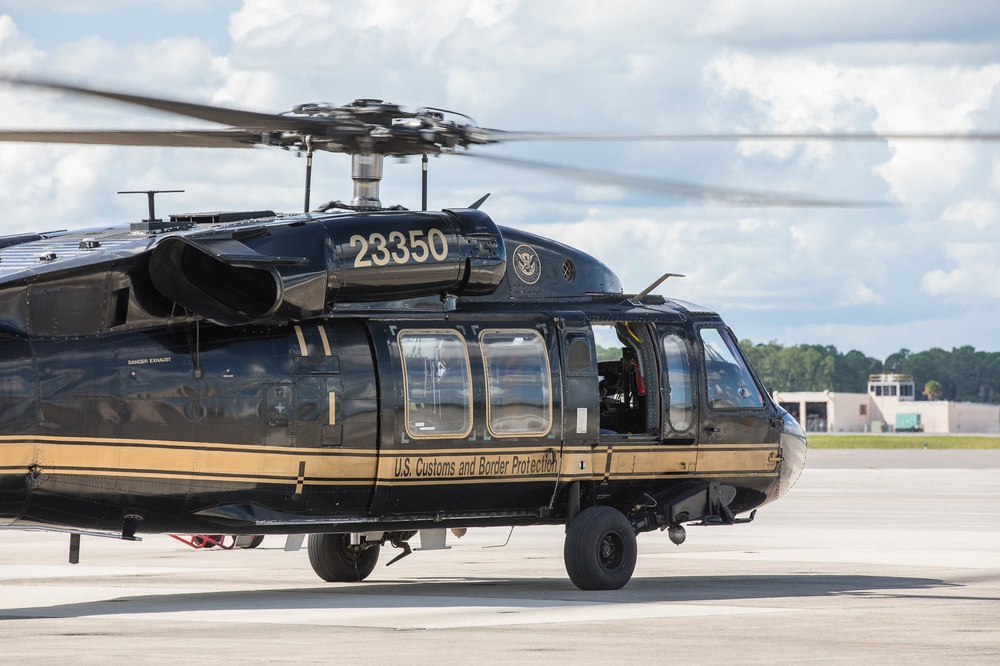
x=366 y=172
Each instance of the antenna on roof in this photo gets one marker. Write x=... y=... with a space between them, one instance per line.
x=150 y=194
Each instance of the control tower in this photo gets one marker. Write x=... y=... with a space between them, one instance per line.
x=891 y=385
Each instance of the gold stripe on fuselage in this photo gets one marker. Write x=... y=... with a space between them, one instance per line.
x=303 y=349
x=326 y=341
x=166 y=459
x=173 y=460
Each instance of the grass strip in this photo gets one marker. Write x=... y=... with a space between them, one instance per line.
x=895 y=441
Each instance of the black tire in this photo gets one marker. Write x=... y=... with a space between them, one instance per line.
x=256 y=541
x=600 y=550
x=334 y=561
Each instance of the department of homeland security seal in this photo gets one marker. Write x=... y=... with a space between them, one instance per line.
x=527 y=265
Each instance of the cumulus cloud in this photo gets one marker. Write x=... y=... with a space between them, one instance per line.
x=17 y=52
x=976 y=274
x=795 y=94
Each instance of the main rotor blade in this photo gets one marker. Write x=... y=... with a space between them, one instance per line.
x=682 y=189
x=248 y=120
x=173 y=138
x=493 y=135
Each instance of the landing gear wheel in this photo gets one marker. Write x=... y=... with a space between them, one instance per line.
x=600 y=549
x=334 y=560
x=257 y=540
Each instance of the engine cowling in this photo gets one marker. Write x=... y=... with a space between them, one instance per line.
x=286 y=272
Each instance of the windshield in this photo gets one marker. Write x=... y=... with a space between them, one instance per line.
x=730 y=384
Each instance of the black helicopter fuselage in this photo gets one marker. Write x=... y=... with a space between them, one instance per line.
x=363 y=373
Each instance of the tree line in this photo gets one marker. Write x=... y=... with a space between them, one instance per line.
x=962 y=374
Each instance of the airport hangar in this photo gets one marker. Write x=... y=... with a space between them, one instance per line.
x=888 y=406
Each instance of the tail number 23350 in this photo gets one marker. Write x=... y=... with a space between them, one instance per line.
x=378 y=250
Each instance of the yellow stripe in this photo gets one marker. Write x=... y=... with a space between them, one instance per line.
x=763 y=460
x=333 y=408
x=326 y=343
x=172 y=462
x=303 y=350
x=259 y=464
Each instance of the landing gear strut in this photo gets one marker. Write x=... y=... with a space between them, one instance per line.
x=600 y=550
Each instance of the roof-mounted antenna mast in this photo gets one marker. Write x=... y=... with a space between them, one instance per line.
x=150 y=194
x=645 y=292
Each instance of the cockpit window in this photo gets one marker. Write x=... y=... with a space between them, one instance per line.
x=730 y=385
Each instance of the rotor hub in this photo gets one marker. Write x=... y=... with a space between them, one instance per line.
x=375 y=126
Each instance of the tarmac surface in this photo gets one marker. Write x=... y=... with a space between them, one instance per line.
x=874 y=557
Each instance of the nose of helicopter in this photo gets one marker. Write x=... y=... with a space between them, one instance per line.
x=793 y=453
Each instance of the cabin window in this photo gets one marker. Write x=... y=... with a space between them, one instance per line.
x=580 y=357
x=518 y=386
x=438 y=384
x=730 y=384
x=680 y=398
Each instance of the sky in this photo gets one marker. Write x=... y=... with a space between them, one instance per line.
x=919 y=273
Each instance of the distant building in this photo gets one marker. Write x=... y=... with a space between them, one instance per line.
x=888 y=406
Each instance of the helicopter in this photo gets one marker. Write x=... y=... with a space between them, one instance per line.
x=363 y=374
